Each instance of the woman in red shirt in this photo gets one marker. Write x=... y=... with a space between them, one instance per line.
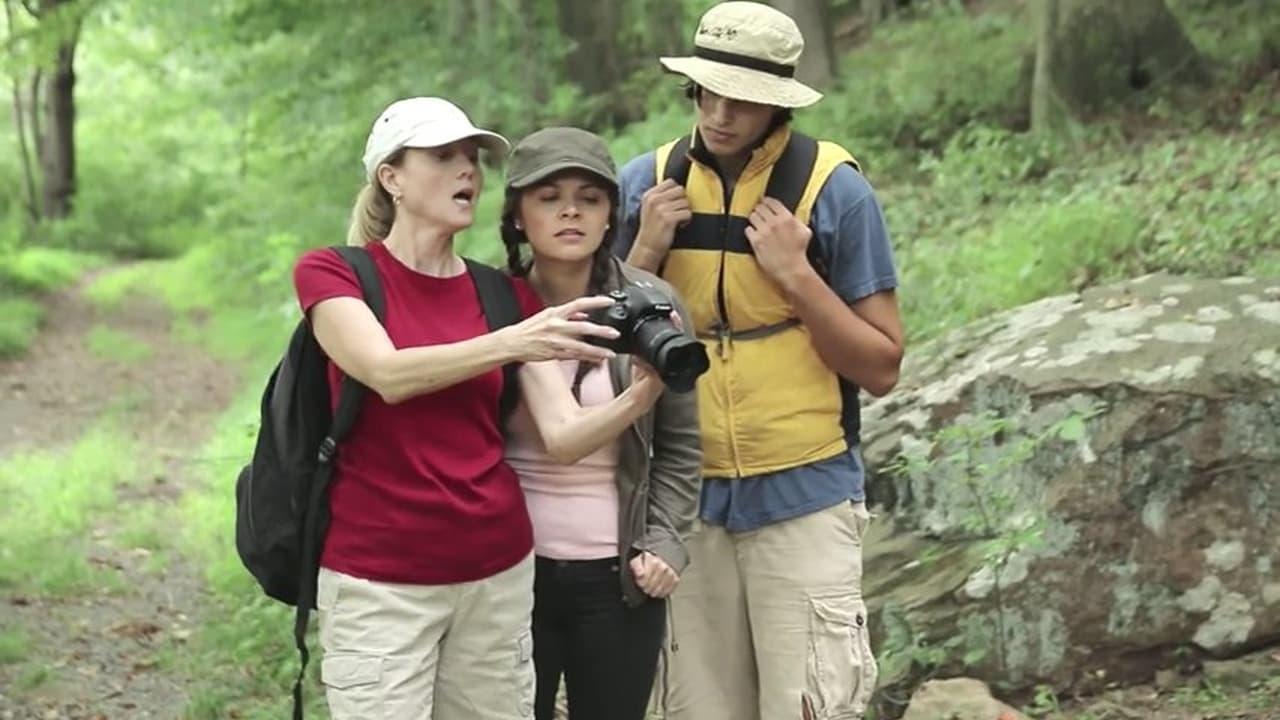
x=425 y=586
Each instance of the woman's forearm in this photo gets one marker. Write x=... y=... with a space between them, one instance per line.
x=569 y=431
x=359 y=346
x=407 y=373
x=589 y=429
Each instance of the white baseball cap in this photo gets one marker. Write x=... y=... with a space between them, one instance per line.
x=423 y=122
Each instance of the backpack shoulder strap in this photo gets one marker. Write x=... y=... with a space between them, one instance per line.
x=791 y=172
x=787 y=183
x=367 y=273
x=501 y=308
x=676 y=163
x=352 y=391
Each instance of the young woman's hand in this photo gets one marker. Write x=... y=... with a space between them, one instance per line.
x=646 y=384
x=556 y=333
x=653 y=575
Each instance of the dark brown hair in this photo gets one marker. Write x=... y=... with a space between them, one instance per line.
x=602 y=261
x=781 y=116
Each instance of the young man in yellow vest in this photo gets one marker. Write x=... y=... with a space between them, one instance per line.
x=780 y=250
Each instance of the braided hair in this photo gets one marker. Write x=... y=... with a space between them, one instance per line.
x=603 y=263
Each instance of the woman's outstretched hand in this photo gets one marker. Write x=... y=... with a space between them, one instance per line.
x=557 y=333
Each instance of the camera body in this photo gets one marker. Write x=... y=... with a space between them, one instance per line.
x=641 y=313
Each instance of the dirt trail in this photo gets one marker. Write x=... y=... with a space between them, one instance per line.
x=105 y=653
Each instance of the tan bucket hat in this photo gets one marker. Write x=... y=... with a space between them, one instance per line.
x=747 y=51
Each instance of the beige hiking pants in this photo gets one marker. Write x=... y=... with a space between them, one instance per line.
x=428 y=652
x=769 y=622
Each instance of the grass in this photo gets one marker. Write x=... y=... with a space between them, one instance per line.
x=255 y=632
x=117 y=346
x=14 y=645
x=40 y=269
x=1001 y=219
x=19 y=323
x=26 y=274
x=33 y=677
x=204 y=312
x=51 y=498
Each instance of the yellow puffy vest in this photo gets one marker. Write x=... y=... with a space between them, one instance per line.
x=768 y=402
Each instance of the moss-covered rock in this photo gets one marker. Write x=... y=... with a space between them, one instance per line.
x=1124 y=510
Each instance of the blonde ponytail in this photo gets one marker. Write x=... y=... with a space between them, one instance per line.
x=371 y=217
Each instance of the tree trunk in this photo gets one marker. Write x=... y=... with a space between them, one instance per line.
x=818 y=62
x=485 y=31
x=459 y=19
x=1090 y=53
x=20 y=113
x=535 y=77
x=875 y=11
x=592 y=27
x=668 y=31
x=34 y=110
x=58 y=160
x=594 y=61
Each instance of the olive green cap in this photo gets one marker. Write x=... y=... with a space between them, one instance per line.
x=550 y=150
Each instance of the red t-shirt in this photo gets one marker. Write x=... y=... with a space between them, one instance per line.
x=421 y=493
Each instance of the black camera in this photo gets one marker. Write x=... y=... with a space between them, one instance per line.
x=642 y=316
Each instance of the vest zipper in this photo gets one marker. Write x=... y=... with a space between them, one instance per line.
x=721 y=304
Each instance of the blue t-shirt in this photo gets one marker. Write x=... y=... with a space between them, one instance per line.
x=849 y=225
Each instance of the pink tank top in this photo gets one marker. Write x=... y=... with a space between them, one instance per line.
x=574 y=508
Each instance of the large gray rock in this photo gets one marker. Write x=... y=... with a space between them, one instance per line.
x=958 y=699
x=1150 y=529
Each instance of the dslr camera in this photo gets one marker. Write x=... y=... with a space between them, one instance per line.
x=641 y=313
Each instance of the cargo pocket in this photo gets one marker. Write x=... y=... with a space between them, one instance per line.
x=353 y=686
x=861 y=520
x=523 y=674
x=841 y=669
x=327 y=582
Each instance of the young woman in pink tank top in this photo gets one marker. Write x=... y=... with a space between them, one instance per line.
x=609 y=525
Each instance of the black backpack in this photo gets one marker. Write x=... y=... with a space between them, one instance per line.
x=786 y=184
x=282 y=512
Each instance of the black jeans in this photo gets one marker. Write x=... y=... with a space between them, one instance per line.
x=608 y=652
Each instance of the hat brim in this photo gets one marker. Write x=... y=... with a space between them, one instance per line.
x=739 y=83
x=542 y=173
x=491 y=141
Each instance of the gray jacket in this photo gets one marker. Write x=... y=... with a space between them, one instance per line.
x=659 y=466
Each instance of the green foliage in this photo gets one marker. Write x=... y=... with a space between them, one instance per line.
x=19 y=321
x=914 y=84
x=1238 y=36
x=51 y=497
x=1209 y=204
x=42 y=269
x=1003 y=219
x=25 y=273
x=1031 y=251
x=1044 y=702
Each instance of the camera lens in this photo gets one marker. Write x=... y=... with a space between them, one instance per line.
x=678 y=358
x=681 y=361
